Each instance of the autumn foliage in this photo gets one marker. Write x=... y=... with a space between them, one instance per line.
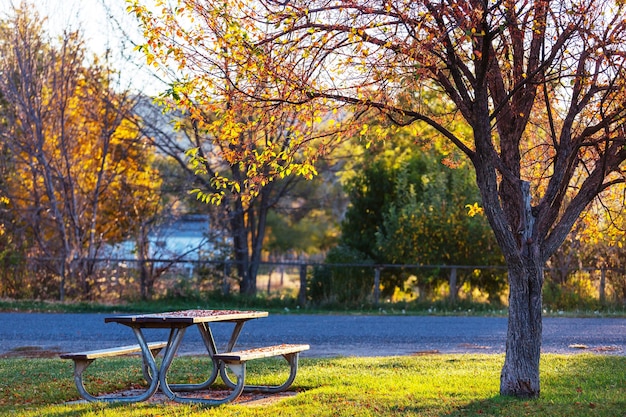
x=75 y=170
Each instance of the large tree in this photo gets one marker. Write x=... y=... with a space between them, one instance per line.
x=539 y=82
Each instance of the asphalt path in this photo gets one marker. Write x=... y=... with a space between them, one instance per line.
x=328 y=335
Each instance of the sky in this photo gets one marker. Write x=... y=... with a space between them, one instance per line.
x=100 y=32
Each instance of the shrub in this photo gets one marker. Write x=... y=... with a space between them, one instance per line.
x=342 y=280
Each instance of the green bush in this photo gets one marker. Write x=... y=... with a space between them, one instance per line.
x=576 y=294
x=342 y=281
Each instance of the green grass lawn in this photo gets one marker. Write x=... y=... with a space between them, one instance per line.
x=436 y=385
x=279 y=306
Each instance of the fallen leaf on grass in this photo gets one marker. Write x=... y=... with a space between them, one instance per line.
x=578 y=346
x=606 y=349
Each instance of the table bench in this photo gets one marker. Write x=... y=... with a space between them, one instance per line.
x=236 y=362
x=82 y=360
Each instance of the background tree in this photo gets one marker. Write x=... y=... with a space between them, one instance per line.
x=202 y=161
x=245 y=157
x=371 y=193
x=597 y=242
x=408 y=207
x=427 y=223
x=75 y=165
x=541 y=69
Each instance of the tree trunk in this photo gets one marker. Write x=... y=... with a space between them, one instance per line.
x=248 y=231
x=520 y=373
x=240 y=249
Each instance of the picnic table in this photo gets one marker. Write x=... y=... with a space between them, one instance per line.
x=178 y=322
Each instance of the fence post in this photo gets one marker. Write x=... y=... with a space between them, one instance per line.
x=226 y=279
x=602 y=286
x=302 y=291
x=452 y=282
x=62 y=283
x=376 y=285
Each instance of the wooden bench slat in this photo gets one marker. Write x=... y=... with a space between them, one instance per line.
x=258 y=353
x=116 y=351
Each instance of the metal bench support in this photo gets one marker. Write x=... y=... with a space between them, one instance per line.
x=235 y=360
x=82 y=360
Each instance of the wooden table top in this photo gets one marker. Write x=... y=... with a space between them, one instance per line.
x=186 y=317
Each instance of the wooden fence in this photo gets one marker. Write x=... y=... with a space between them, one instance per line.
x=119 y=279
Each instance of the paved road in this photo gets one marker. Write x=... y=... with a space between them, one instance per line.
x=328 y=335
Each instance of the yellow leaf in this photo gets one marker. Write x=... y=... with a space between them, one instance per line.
x=473 y=209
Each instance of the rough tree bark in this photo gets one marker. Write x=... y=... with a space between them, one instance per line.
x=520 y=373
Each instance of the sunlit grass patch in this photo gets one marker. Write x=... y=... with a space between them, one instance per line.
x=436 y=385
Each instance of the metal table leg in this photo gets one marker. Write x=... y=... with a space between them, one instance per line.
x=209 y=343
x=167 y=389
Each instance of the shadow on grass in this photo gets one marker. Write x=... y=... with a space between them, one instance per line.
x=573 y=385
